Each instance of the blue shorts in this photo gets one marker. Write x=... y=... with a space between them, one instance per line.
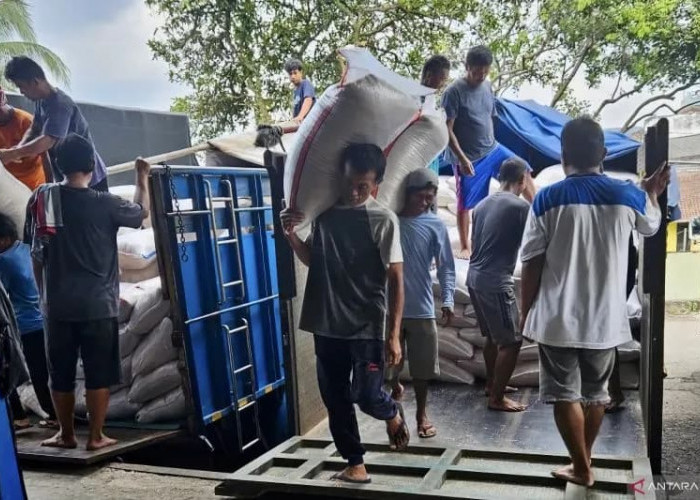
x=472 y=189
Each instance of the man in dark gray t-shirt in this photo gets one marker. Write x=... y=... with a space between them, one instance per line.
x=73 y=231
x=499 y=222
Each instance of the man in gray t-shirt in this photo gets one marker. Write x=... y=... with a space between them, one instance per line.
x=470 y=108
x=55 y=117
x=499 y=222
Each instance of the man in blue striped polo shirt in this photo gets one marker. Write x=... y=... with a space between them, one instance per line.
x=574 y=254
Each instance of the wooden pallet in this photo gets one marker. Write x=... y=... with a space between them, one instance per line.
x=303 y=466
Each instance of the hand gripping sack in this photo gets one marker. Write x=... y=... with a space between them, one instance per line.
x=370 y=104
x=14 y=197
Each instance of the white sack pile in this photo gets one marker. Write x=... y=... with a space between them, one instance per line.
x=371 y=104
x=14 y=198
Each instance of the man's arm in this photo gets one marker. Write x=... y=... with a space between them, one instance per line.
x=38 y=269
x=530 y=285
x=305 y=108
x=395 y=312
x=466 y=167
x=446 y=274
x=141 y=194
x=302 y=249
x=35 y=147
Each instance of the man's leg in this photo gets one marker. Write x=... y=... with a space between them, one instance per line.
x=62 y=352
x=615 y=388
x=505 y=364
x=397 y=387
x=19 y=416
x=464 y=220
x=570 y=421
x=35 y=353
x=597 y=366
x=490 y=355
x=421 y=342
x=333 y=369
x=368 y=393
x=560 y=383
x=99 y=350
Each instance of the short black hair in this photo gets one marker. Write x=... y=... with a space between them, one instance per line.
x=512 y=170
x=23 y=69
x=293 y=64
x=479 y=56
x=363 y=158
x=582 y=143
x=434 y=65
x=8 y=229
x=75 y=154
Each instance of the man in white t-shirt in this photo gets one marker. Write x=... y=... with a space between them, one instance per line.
x=573 y=284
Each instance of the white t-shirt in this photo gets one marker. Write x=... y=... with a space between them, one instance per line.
x=583 y=225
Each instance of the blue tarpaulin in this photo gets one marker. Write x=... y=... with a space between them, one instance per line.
x=533 y=131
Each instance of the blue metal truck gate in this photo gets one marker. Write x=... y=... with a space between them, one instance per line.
x=214 y=232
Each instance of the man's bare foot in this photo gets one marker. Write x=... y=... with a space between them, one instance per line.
x=426 y=429
x=464 y=254
x=508 y=390
x=61 y=441
x=98 y=444
x=506 y=404
x=397 y=392
x=356 y=474
x=569 y=474
x=615 y=405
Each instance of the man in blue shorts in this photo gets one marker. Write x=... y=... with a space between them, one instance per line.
x=470 y=107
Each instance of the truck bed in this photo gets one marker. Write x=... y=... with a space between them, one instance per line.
x=477 y=454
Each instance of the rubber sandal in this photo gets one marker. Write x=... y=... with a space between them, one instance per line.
x=48 y=424
x=342 y=477
x=402 y=431
x=427 y=431
x=22 y=427
x=614 y=407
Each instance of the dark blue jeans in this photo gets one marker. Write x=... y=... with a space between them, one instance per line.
x=351 y=372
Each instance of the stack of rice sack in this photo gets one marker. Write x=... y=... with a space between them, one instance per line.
x=151 y=388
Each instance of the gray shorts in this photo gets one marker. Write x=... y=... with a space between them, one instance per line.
x=575 y=375
x=498 y=315
x=419 y=343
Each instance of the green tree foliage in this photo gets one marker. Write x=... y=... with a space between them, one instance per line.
x=231 y=53
x=17 y=37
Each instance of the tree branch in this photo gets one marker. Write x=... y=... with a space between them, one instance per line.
x=561 y=91
x=614 y=99
x=627 y=126
x=661 y=97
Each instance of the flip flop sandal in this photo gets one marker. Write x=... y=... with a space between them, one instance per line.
x=402 y=431
x=614 y=407
x=427 y=431
x=342 y=477
x=48 y=424
x=21 y=427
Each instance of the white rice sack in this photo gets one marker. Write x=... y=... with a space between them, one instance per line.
x=137 y=249
x=128 y=294
x=629 y=375
x=80 y=401
x=455 y=242
x=629 y=351
x=172 y=406
x=494 y=186
x=155 y=350
x=476 y=366
x=150 y=307
x=127 y=341
x=156 y=383
x=371 y=104
x=451 y=346
x=452 y=207
x=415 y=147
x=448 y=183
x=139 y=275
x=120 y=408
x=473 y=336
x=529 y=351
x=447 y=217
x=452 y=372
x=444 y=198
x=14 y=198
x=79 y=371
x=29 y=400
x=526 y=375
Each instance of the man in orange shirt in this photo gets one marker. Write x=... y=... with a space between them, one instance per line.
x=14 y=123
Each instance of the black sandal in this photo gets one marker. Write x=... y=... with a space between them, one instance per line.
x=400 y=433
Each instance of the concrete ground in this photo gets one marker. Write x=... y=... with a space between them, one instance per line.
x=681 y=442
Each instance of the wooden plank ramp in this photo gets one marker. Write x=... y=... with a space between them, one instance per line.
x=303 y=466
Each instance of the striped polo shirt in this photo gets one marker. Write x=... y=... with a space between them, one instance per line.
x=583 y=225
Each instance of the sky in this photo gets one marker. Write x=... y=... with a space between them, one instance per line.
x=103 y=42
